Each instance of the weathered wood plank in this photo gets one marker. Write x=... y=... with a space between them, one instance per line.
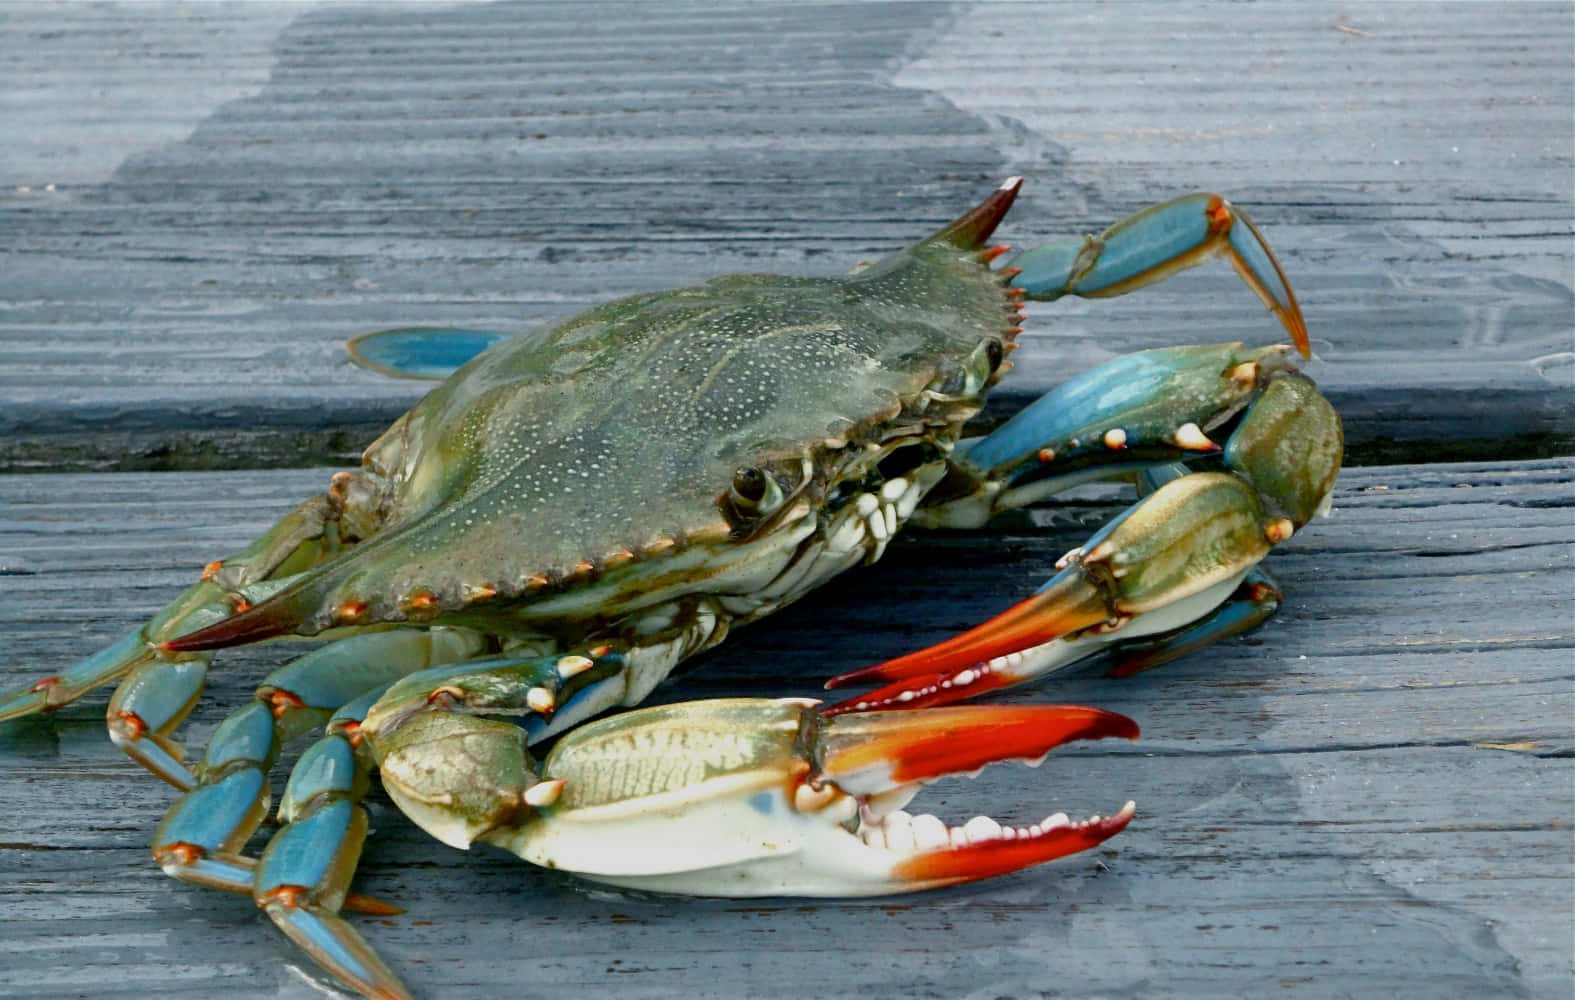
x=1327 y=808
x=1373 y=794
x=181 y=274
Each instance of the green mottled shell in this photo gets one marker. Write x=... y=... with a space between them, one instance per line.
x=622 y=426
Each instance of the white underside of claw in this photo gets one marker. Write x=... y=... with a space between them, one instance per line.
x=758 y=833
x=804 y=854
x=745 y=839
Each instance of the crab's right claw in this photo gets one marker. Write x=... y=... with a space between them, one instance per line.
x=752 y=798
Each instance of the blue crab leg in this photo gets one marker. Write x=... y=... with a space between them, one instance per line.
x=202 y=604
x=1162 y=567
x=305 y=536
x=1124 y=415
x=161 y=688
x=303 y=878
x=1254 y=601
x=147 y=707
x=158 y=689
x=1155 y=243
x=200 y=837
x=420 y=352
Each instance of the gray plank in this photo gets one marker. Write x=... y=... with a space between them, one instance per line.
x=1373 y=794
x=1370 y=795
x=205 y=202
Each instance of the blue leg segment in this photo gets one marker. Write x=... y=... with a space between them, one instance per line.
x=303 y=877
x=1156 y=243
x=420 y=352
x=202 y=604
x=148 y=706
x=108 y=664
x=546 y=693
x=201 y=837
x=1152 y=406
x=159 y=685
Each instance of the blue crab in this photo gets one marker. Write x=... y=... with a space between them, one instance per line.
x=575 y=511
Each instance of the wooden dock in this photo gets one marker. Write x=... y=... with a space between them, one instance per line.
x=1372 y=795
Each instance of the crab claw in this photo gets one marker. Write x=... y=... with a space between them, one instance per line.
x=1162 y=565
x=753 y=797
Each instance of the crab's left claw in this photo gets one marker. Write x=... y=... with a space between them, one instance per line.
x=1172 y=571
x=754 y=797
x=1161 y=566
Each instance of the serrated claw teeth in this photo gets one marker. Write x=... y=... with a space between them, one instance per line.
x=981 y=828
x=929 y=832
x=900 y=832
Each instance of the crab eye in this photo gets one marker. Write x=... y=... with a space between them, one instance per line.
x=977 y=368
x=754 y=493
x=749 y=484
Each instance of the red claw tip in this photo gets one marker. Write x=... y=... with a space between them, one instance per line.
x=1055 y=838
x=917 y=746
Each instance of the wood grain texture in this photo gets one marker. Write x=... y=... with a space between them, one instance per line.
x=1371 y=794
x=477 y=165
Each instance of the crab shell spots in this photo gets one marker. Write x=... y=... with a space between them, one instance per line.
x=619 y=430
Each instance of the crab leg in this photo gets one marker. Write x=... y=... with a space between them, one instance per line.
x=303 y=878
x=1254 y=601
x=420 y=352
x=160 y=685
x=201 y=836
x=1120 y=418
x=113 y=662
x=1155 y=243
x=1163 y=567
